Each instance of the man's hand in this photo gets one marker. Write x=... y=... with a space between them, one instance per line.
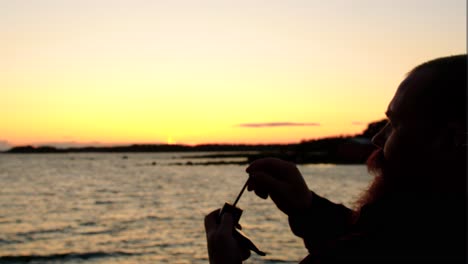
x=282 y=181
x=222 y=247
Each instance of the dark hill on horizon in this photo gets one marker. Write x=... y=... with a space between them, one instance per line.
x=340 y=149
x=147 y=148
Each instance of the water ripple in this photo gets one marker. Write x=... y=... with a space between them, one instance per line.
x=63 y=257
x=89 y=208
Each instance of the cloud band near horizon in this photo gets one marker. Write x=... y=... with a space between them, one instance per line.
x=276 y=124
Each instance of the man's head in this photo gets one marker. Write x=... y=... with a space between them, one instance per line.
x=423 y=146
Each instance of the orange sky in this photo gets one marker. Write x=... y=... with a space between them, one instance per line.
x=192 y=72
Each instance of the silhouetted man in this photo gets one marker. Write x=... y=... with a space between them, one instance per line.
x=414 y=210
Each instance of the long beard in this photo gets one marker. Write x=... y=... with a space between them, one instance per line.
x=415 y=177
x=382 y=184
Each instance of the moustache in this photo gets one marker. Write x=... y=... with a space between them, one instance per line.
x=376 y=163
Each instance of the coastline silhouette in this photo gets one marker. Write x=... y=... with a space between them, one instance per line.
x=339 y=150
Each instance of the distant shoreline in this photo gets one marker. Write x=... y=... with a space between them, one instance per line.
x=344 y=150
x=146 y=148
x=337 y=150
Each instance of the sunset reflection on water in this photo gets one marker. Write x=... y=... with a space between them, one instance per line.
x=103 y=208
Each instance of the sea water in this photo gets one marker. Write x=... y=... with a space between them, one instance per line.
x=142 y=208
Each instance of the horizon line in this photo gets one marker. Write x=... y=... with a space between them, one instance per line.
x=72 y=145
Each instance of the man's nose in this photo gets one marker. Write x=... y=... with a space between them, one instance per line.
x=379 y=139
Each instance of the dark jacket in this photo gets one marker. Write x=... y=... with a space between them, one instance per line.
x=402 y=229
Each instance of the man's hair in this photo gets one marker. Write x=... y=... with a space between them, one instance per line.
x=446 y=95
x=447 y=91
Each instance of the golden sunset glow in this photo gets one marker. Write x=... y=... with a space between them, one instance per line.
x=192 y=72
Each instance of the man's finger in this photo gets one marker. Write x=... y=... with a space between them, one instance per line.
x=267 y=182
x=261 y=193
x=278 y=167
x=250 y=185
x=261 y=164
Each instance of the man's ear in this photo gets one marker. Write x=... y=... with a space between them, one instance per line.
x=450 y=139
